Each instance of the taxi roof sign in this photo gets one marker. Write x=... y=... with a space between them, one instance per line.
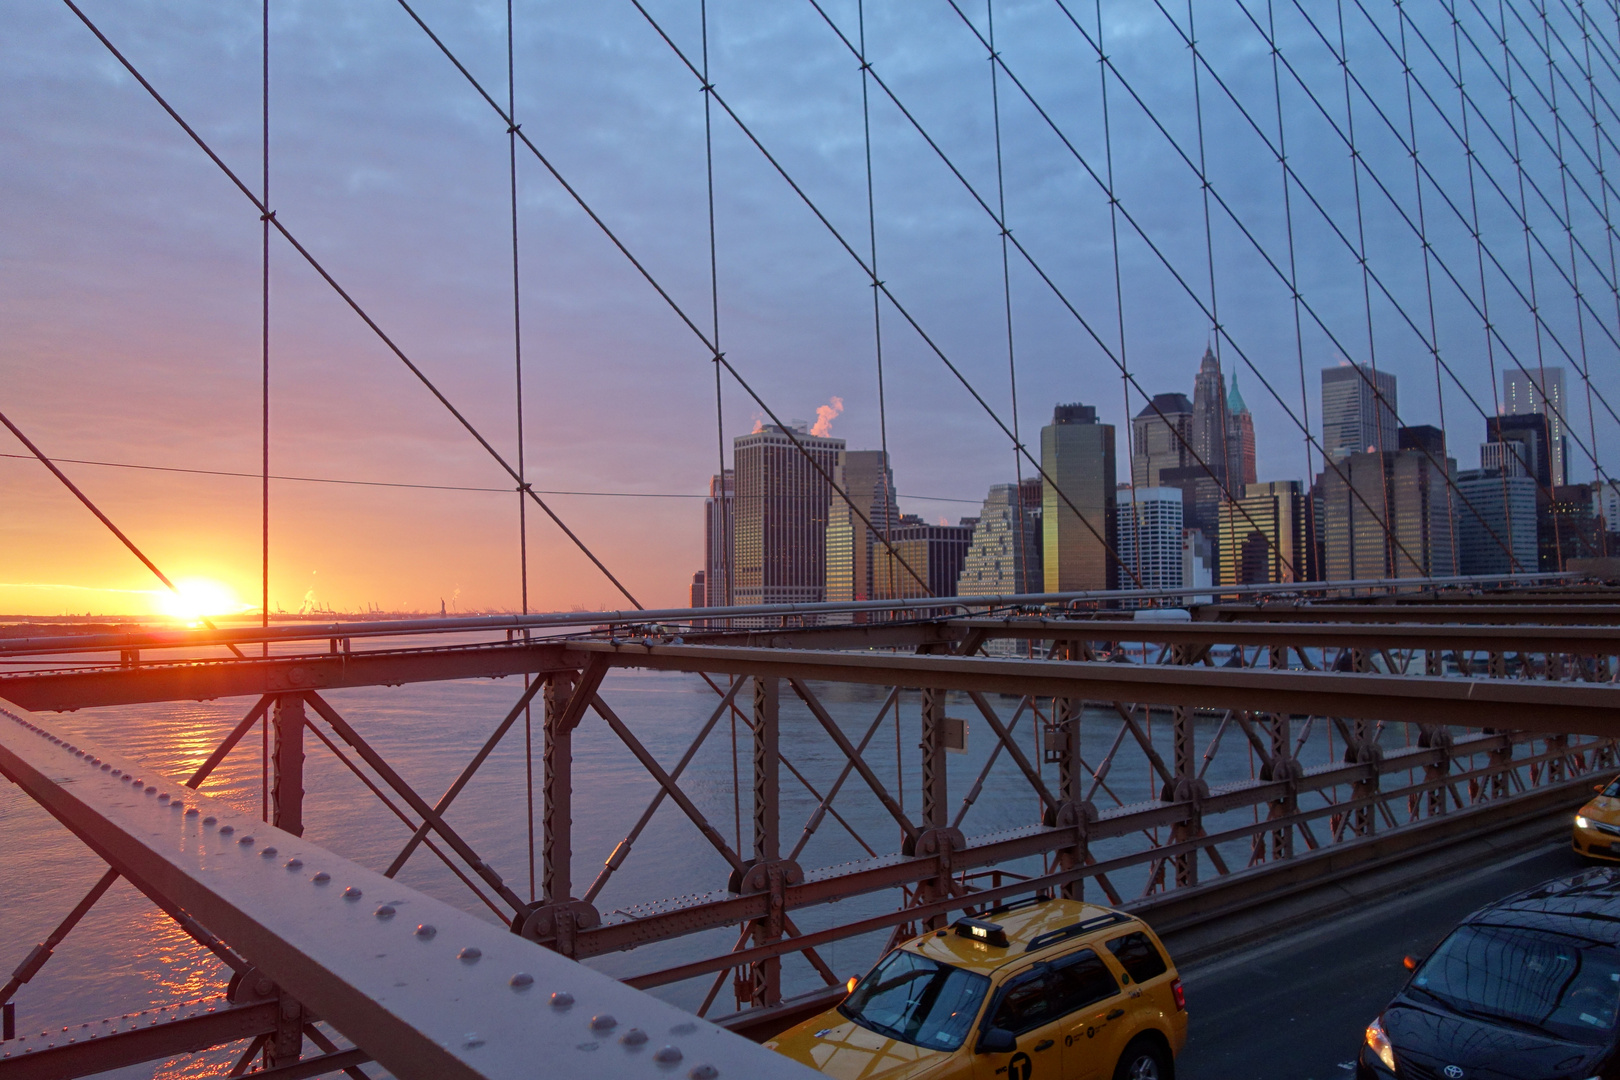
x=979 y=930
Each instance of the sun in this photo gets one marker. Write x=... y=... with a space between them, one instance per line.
x=198 y=598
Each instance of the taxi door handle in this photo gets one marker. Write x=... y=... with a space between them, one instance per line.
x=1116 y=1014
x=1044 y=1044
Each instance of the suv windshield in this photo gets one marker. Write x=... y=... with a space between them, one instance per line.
x=1526 y=978
x=917 y=1000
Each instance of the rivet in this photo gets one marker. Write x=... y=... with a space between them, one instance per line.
x=106 y=768
x=603 y=1022
x=586 y=1046
x=226 y=830
x=384 y=912
x=521 y=981
x=633 y=1037
x=351 y=893
x=321 y=877
x=704 y=1072
x=684 y=1028
x=151 y=789
x=177 y=805
x=425 y=931
x=562 y=999
x=163 y=796
x=268 y=852
x=294 y=863
x=210 y=819
x=667 y=1055
x=470 y=954
x=245 y=840
x=472 y=1041
x=191 y=811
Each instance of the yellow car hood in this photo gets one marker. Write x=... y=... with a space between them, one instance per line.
x=1602 y=809
x=846 y=1051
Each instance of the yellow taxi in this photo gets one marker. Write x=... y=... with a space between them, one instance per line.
x=1042 y=989
x=1597 y=826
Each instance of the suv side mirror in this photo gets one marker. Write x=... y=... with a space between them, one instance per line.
x=996 y=1041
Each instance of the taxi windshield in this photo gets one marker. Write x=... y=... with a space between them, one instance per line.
x=917 y=1000
x=1526 y=979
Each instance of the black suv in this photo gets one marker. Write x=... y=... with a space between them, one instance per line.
x=1525 y=989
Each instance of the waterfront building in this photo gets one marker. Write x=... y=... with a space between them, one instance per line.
x=1406 y=490
x=1077 y=455
x=1004 y=555
x=782 y=505
x=1355 y=420
x=1496 y=521
x=935 y=553
x=865 y=476
x=1160 y=436
x=1264 y=538
x=719 y=530
x=1540 y=392
x=1149 y=539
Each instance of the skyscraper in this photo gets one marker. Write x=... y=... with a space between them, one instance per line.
x=719 y=534
x=1209 y=428
x=1005 y=553
x=1521 y=445
x=1239 y=442
x=1540 y=392
x=1149 y=539
x=1160 y=436
x=1263 y=535
x=1077 y=455
x=1354 y=419
x=865 y=476
x=1496 y=521
x=934 y=553
x=1418 y=539
x=782 y=502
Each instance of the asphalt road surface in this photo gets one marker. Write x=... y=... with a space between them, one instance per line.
x=1295 y=1008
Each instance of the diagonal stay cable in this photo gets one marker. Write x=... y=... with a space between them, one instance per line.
x=103 y=518
x=269 y=215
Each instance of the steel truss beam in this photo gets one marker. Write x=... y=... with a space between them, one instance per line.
x=422 y=987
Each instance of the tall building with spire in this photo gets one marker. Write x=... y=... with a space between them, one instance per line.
x=1209 y=428
x=1239 y=441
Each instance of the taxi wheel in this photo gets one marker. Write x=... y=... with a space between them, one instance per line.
x=1143 y=1059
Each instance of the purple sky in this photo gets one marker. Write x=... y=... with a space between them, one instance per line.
x=129 y=268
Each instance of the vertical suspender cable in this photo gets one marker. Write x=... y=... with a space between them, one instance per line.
x=517 y=365
x=1310 y=563
x=1428 y=275
x=1608 y=231
x=1006 y=295
x=1119 y=295
x=1530 y=268
x=264 y=390
x=726 y=589
x=1391 y=566
x=877 y=307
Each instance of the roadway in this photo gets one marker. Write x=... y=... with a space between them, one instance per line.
x=1295 y=1008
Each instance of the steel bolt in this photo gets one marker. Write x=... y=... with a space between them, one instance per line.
x=351 y=893
x=562 y=999
x=668 y=1055
x=633 y=1037
x=191 y=811
x=321 y=877
x=267 y=853
x=470 y=954
x=245 y=840
x=603 y=1022
x=521 y=981
x=294 y=863
x=384 y=912
x=151 y=789
x=425 y=931
x=472 y=1041
x=163 y=796
x=210 y=819
x=226 y=830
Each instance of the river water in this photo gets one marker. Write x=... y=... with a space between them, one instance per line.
x=127 y=956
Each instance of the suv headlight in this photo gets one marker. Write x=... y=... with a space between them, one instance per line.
x=1379 y=1042
x=1582 y=823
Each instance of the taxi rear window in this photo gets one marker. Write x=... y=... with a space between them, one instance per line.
x=1138 y=957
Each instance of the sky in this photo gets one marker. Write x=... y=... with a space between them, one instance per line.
x=130 y=308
